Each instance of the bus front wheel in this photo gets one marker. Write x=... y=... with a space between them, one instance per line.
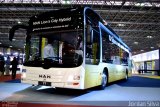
x=104 y=81
x=126 y=76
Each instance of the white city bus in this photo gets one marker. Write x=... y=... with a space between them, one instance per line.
x=87 y=53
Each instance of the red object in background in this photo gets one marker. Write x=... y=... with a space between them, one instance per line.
x=4 y=78
x=21 y=104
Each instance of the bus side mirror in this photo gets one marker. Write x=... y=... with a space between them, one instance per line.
x=14 y=28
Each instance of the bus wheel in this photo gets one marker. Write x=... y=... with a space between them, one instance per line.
x=104 y=81
x=126 y=76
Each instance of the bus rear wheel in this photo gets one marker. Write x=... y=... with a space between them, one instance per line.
x=104 y=81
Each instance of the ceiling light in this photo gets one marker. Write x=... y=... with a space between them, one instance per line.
x=0 y=43
x=10 y=46
x=136 y=43
x=134 y=52
x=149 y=37
x=14 y=39
x=63 y=2
x=19 y=22
x=66 y=2
x=121 y=24
x=142 y=50
x=152 y=47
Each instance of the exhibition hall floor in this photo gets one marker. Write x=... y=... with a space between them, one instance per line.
x=136 y=88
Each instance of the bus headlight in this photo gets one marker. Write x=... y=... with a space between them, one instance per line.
x=23 y=75
x=76 y=77
x=73 y=77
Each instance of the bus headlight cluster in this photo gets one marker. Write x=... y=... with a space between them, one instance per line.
x=76 y=77
x=73 y=77
x=23 y=75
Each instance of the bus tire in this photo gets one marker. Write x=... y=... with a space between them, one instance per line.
x=126 y=76
x=104 y=80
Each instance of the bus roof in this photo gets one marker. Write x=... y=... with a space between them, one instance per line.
x=54 y=13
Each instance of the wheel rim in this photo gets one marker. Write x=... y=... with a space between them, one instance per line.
x=104 y=80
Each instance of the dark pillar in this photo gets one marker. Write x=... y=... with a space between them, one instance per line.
x=159 y=63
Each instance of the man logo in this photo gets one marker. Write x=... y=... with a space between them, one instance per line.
x=44 y=76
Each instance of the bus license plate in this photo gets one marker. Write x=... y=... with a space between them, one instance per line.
x=44 y=83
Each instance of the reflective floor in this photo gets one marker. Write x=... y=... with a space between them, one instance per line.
x=137 y=88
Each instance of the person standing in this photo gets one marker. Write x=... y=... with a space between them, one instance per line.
x=48 y=53
x=48 y=50
x=7 y=65
x=2 y=63
x=14 y=64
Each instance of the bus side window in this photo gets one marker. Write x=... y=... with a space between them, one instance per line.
x=93 y=47
x=88 y=50
x=124 y=57
x=106 y=48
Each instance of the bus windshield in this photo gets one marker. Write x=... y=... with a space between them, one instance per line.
x=56 y=50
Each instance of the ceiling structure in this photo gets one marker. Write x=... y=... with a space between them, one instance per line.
x=137 y=22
